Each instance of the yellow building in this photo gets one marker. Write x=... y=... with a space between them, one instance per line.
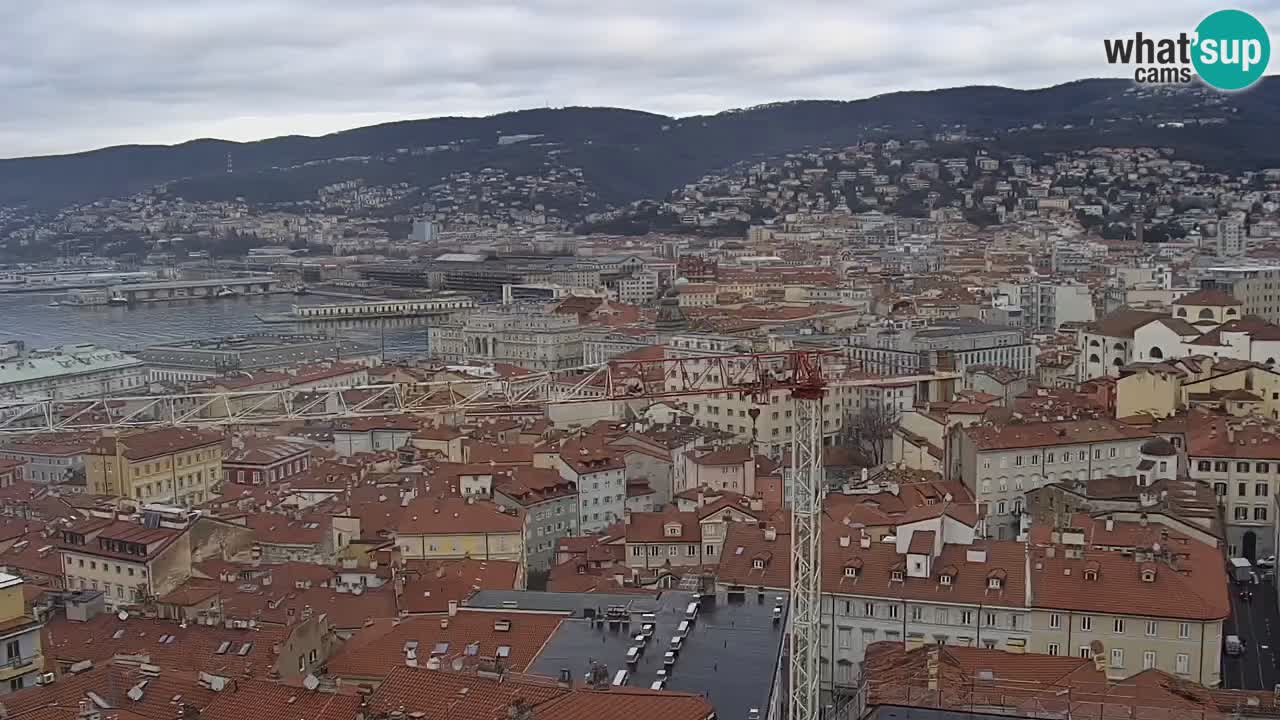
x=170 y=465
x=20 y=634
x=454 y=527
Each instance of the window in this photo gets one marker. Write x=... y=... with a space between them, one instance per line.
x=1260 y=513
x=12 y=650
x=993 y=583
x=1113 y=452
x=1051 y=649
x=1086 y=623
x=757 y=564
x=1242 y=513
x=1148 y=660
x=1085 y=652
x=1242 y=489
x=844 y=637
x=991 y=619
x=1261 y=489
x=944 y=579
x=1182 y=665
x=1220 y=489
x=1220 y=466
x=1203 y=466
x=896 y=576
x=1118 y=626
x=1117 y=657
x=869 y=609
x=1184 y=630
x=1262 y=467
x=917 y=613
x=893 y=612
x=1242 y=467
x=1048 y=458
x=1153 y=628
x=966 y=617
x=1017 y=461
x=1055 y=621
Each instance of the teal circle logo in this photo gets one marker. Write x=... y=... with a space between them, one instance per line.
x=1232 y=50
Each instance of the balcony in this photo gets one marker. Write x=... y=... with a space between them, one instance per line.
x=20 y=666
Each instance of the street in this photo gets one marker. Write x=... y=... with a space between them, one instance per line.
x=1257 y=623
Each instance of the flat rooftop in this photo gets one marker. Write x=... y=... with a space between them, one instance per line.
x=730 y=655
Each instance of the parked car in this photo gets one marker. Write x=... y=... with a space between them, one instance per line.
x=1267 y=562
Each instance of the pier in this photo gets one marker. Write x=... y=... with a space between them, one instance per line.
x=188 y=289
x=437 y=307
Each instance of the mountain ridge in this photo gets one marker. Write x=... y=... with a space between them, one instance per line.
x=673 y=149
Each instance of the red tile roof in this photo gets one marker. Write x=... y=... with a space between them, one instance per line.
x=651 y=527
x=380 y=646
x=271 y=701
x=1048 y=434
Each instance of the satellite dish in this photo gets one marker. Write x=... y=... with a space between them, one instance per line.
x=123 y=614
x=456 y=664
x=310 y=682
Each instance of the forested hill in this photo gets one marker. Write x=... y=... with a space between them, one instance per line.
x=627 y=155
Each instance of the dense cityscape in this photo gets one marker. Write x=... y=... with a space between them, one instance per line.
x=949 y=423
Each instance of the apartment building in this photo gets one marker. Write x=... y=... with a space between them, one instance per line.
x=729 y=468
x=129 y=563
x=663 y=540
x=260 y=460
x=772 y=428
x=176 y=466
x=1136 y=594
x=1047 y=304
x=1256 y=286
x=1000 y=463
x=20 y=635
x=449 y=528
x=933 y=581
x=598 y=472
x=549 y=504
x=1240 y=460
x=49 y=458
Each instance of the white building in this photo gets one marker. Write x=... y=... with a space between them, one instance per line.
x=71 y=371
x=598 y=472
x=1000 y=463
x=527 y=336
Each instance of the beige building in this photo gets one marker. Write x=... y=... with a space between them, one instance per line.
x=453 y=527
x=1138 y=595
x=129 y=563
x=1231 y=386
x=171 y=465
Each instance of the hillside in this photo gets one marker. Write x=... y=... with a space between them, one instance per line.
x=627 y=155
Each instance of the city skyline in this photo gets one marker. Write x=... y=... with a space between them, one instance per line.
x=148 y=73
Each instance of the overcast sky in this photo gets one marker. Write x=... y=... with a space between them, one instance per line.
x=80 y=74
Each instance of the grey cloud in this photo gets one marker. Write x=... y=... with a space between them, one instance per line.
x=75 y=75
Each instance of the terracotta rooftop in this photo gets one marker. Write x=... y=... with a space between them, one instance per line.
x=1209 y=297
x=380 y=645
x=1048 y=434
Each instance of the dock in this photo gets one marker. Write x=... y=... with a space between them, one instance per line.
x=380 y=309
x=186 y=289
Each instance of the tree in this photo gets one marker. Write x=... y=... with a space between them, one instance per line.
x=868 y=429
